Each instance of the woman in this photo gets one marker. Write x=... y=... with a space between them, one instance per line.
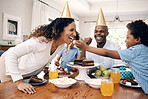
x=30 y=57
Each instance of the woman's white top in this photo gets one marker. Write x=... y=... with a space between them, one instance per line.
x=28 y=57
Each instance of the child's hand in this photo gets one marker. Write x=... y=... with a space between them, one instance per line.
x=46 y=70
x=73 y=69
x=81 y=45
x=87 y=40
x=57 y=63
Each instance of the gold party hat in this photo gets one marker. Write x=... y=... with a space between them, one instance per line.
x=66 y=11
x=101 y=19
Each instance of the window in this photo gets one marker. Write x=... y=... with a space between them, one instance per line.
x=118 y=35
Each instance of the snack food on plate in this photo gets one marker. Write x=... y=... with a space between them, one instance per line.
x=130 y=80
x=84 y=62
x=64 y=80
x=63 y=71
x=88 y=62
x=78 y=61
x=34 y=79
x=102 y=71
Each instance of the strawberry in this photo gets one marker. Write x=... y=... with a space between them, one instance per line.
x=124 y=81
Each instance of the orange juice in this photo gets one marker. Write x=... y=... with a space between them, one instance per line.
x=53 y=74
x=115 y=77
x=107 y=88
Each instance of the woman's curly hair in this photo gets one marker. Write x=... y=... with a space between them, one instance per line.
x=139 y=29
x=77 y=37
x=52 y=30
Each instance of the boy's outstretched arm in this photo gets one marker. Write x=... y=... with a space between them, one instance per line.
x=87 y=41
x=100 y=51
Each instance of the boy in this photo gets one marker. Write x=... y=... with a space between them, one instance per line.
x=136 y=54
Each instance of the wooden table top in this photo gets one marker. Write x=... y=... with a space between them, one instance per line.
x=80 y=90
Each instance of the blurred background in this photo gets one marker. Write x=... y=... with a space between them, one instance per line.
x=32 y=13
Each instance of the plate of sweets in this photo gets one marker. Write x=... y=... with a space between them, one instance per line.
x=35 y=81
x=63 y=72
x=129 y=83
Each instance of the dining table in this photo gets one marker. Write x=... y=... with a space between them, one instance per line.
x=79 y=90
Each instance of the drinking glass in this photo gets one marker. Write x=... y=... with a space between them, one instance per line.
x=107 y=87
x=53 y=74
x=115 y=75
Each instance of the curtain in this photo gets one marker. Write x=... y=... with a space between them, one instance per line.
x=39 y=14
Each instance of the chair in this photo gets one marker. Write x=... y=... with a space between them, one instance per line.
x=1 y=52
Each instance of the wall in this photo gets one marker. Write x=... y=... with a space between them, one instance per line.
x=23 y=9
x=87 y=29
x=20 y=8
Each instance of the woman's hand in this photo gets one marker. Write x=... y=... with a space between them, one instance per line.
x=25 y=87
x=81 y=45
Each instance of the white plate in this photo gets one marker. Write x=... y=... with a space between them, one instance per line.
x=60 y=76
x=132 y=86
x=94 y=83
x=63 y=82
x=100 y=77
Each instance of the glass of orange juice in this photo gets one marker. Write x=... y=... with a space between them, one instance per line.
x=53 y=74
x=107 y=87
x=115 y=75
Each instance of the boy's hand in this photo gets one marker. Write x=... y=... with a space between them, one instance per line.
x=87 y=40
x=81 y=45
